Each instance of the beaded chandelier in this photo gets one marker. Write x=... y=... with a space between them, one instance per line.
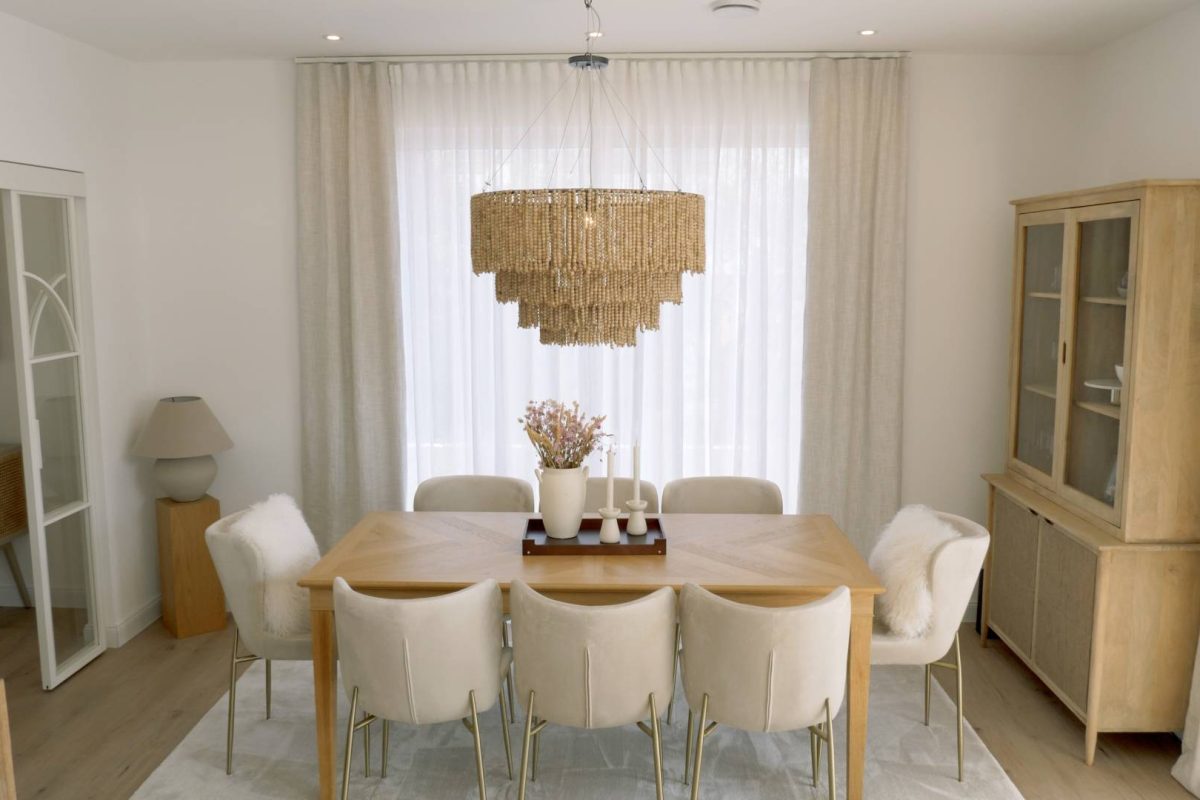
x=588 y=266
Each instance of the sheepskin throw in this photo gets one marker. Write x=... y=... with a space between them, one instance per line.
x=276 y=529
x=901 y=560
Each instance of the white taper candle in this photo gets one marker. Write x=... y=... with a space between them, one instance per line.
x=609 y=485
x=637 y=472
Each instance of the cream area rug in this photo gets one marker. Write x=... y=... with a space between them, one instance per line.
x=276 y=758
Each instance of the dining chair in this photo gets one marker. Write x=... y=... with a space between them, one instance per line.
x=721 y=495
x=764 y=669
x=591 y=667
x=597 y=494
x=421 y=662
x=473 y=493
x=953 y=568
x=259 y=554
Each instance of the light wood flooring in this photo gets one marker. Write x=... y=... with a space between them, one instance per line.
x=106 y=729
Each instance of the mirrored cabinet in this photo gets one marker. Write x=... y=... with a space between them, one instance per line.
x=1093 y=576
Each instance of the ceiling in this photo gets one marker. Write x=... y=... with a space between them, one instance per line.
x=221 y=29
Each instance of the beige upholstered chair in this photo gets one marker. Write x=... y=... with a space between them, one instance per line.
x=953 y=569
x=597 y=494
x=723 y=495
x=246 y=566
x=592 y=666
x=421 y=662
x=473 y=493
x=764 y=669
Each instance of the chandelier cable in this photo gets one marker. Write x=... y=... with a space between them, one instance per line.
x=488 y=183
x=605 y=82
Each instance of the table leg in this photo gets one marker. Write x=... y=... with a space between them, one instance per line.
x=324 y=646
x=858 y=697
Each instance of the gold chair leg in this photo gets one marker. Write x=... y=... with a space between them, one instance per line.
x=958 y=673
x=656 y=740
x=832 y=754
x=928 y=686
x=505 y=721
x=366 y=747
x=268 y=688
x=233 y=662
x=383 y=756
x=699 y=749
x=525 y=747
x=349 y=744
x=687 y=747
x=814 y=753
x=674 y=678
x=478 y=747
x=537 y=750
x=506 y=638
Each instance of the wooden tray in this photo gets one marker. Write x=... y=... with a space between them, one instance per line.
x=535 y=542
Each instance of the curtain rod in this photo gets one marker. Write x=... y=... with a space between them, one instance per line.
x=800 y=56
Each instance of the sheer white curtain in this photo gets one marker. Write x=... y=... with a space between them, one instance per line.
x=715 y=391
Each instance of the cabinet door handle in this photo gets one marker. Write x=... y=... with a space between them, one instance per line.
x=1064 y=352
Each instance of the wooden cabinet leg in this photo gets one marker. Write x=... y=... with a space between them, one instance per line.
x=1089 y=744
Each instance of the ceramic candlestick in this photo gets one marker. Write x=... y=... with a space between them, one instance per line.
x=637 y=518
x=610 y=531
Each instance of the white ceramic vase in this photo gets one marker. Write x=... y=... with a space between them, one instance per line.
x=563 y=494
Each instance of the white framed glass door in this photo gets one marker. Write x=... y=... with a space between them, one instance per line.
x=42 y=246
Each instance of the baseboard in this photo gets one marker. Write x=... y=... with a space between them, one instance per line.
x=135 y=623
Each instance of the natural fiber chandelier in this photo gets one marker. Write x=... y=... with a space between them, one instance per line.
x=588 y=266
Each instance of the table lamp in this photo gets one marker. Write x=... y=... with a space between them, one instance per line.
x=181 y=435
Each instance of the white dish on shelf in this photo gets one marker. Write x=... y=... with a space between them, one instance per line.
x=1111 y=385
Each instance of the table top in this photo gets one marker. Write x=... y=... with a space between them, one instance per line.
x=744 y=554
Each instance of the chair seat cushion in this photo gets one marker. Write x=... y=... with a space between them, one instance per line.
x=887 y=647
x=902 y=559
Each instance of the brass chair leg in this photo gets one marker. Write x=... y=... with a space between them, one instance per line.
x=699 y=749
x=814 y=754
x=268 y=688
x=656 y=739
x=832 y=754
x=958 y=673
x=505 y=721
x=525 y=747
x=687 y=747
x=478 y=747
x=928 y=686
x=349 y=744
x=366 y=746
x=233 y=662
x=383 y=756
x=506 y=638
x=537 y=750
x=674 y=678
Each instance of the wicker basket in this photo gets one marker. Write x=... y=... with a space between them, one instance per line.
x=12 y=490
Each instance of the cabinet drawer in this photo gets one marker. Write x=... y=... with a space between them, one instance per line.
x=1066 y=598
x=1013 y=569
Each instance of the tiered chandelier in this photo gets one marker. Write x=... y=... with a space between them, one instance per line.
x=588 y=266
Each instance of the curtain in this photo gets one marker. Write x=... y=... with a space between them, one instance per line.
x=352 y=359
x=717 y=389
x=1187 y=768
x=854 y=325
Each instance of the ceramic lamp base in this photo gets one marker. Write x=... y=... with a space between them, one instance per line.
x=185 y=479
x=610 y=531
x=637 y=518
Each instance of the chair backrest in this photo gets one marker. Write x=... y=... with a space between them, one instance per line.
x=722 y=495
x=593 y=666
x=416 y=661
x=597 y=494
x=473 y=493
x=258 y=571
x=765 y=669
x=953 y=570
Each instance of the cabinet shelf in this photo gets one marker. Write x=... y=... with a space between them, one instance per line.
x=1106 y=301
x=1045 y=295
x=1045 y=390
x=1106 y=409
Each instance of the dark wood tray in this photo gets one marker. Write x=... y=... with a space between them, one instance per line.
x=535 y=542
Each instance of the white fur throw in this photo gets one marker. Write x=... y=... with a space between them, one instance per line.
x=901 y=560
x=277 y=530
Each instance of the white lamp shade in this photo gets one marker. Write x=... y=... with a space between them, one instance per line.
x=181 y=427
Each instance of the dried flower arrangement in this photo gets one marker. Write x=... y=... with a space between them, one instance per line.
x=562 y=435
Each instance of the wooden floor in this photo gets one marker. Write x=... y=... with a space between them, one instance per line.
x=106 y=729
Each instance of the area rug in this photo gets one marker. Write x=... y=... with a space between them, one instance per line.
x=276 y=758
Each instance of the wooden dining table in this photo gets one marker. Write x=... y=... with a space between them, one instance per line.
x=763 y=559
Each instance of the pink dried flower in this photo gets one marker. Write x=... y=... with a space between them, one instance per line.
x=562 y=435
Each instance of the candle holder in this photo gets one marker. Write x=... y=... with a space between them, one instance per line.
x=637 y=518
x=610 y=531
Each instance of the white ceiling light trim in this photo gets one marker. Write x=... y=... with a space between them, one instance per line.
x=736 y=8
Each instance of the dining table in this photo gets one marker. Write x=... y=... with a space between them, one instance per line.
x=762 y=559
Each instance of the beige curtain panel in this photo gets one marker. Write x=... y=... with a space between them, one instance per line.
x=351 y=344
x=854 y=308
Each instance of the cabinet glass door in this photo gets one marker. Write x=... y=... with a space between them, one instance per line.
x=1102 y=289
x=1041 y=251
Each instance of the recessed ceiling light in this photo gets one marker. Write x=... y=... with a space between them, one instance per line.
x=867 y=32
x=735 y=8
x=332 y=37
